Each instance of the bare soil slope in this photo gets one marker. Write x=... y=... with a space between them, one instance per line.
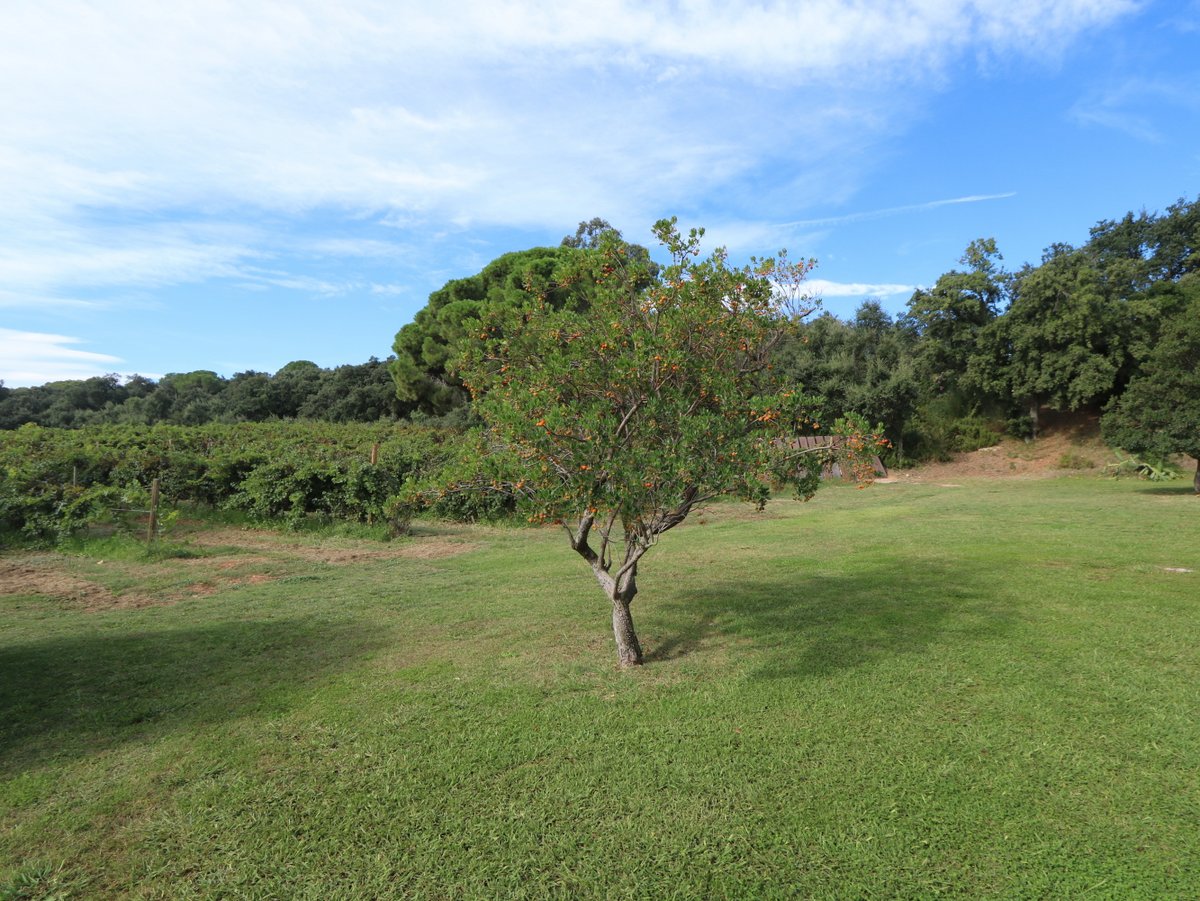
x=1068 y=442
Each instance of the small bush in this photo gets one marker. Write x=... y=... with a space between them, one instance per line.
x=948 y=425
x=1142 y=469
x=1073 y=460
x=973 y=432
x=1019 y=427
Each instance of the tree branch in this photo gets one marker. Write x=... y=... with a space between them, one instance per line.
x=605 y=560
x=579 y=538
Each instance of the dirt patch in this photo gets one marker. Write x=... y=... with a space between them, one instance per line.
x=270 y=556
x=425 y=548
x=43 y=574
x=435 y=549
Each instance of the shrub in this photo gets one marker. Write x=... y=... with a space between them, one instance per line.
x=1160 y=471
x=53 y=482
x=1073 y=460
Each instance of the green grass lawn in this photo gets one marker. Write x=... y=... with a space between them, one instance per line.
x=987 y=690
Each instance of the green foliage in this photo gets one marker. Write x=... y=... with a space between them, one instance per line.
x=472 y=485
x=1142 y=469
x=1159 y=413
x=950 y=317
x=55 y=482
x=1063 y=340
x=37 y=510
x=651 y=399
x=1076 y=327
x=862 y=367
x=589 y=234
x=361 y=393
x=658 y=397
x=425 y=347
x=941 y=428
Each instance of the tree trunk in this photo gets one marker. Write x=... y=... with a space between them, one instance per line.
x=1196 y=478
x=629 y=649
x=620 y=589
x=1033 y=417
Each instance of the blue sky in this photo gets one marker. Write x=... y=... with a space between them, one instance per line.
x=235 y=185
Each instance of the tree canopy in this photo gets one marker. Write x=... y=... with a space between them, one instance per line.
x=949 y=316
x=1062 y=341
x=1159 y=413
x=425 y=346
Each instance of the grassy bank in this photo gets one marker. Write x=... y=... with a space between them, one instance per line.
x=983 y=690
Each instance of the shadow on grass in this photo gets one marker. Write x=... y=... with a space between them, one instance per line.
x=1179 y=489
x=814 y=625
x=81 y=694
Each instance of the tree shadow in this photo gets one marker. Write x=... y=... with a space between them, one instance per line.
x=1183 y=489
x=72 y=696
x=814 y=625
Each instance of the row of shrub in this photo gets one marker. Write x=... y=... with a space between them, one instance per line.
x=54 y=482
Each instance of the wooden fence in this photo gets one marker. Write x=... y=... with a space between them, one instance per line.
x=832 y=469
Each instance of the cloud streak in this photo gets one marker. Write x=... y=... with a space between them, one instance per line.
x=1130 y=107
x=820 y=287
x=33 y=358
x=868 y=215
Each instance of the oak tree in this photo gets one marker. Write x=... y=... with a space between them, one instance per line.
x=1159 y=413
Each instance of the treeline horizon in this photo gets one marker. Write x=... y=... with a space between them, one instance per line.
x=976 y=355
x=363 y=392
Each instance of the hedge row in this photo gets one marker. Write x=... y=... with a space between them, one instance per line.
x=54 y=481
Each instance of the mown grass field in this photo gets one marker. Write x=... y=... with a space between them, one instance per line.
x=986 y=690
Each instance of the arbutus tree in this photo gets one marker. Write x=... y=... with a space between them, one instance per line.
x=622 y=419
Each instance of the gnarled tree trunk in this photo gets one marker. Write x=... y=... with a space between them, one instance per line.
x=620 y=588
x=621 y=591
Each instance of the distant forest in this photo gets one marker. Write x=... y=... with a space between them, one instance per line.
x=300 y=390
x=979 y=353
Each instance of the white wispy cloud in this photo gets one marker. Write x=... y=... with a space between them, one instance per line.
x=304 y=284
x=73 y=265
x=1129 y=106
x=33 y=358
x=820 y=287
x=438 y=118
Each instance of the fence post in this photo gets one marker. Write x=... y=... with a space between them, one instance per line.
x=152 y=527
x=374 y=462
